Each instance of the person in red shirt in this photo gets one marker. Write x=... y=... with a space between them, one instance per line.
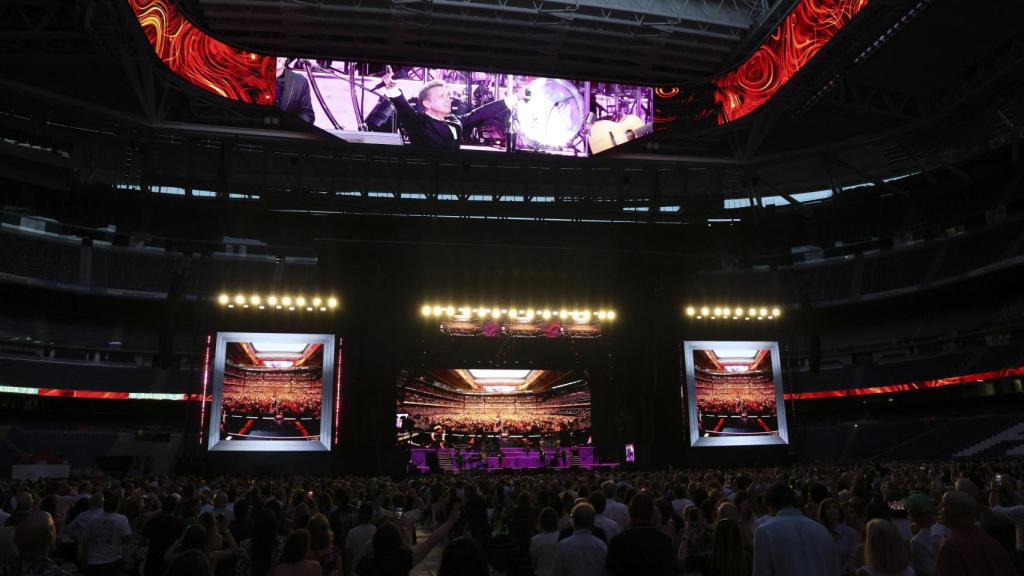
x=968 y=551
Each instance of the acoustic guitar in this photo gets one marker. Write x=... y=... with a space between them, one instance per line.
x=605 y=134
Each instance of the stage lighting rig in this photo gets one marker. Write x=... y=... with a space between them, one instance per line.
x=742 y=312
x=285 y=303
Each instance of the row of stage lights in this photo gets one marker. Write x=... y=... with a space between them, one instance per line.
x=730 y=313
x=466 y=313
x=273 y=302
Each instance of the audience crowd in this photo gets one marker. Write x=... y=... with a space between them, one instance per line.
x=900 y=519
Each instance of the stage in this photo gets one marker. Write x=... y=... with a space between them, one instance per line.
x=458 y=460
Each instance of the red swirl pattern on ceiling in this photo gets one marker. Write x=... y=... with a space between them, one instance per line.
x=802 y=34
x=201 y=59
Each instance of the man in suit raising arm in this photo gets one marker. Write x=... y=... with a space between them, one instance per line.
x=436 y=126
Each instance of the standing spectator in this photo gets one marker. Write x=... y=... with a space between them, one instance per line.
x=160 y=532
x=257 y=555
x=321 y=547
x=359 y=537
x=581 y=554
x=614 y=509
x=190 y=563
x=728 y=558
x=35 y=535
x=1004 y=500
x=463 y=557
x=922 y=545
x=606 y=524
x=789 y=542
x=106 y=539
x=968 y=551
x=293 y=558
x=644 y=548
x=544 y=546
x=679 y=500
x=241 y=526
x=831 y=517
x=885 y=553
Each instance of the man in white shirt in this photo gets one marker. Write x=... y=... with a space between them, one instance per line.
x=1001 y=501
x=609 y=526
x=614 y=509
x=791 y=543
x=679 y=500
x=923 y=552
x=106 y=536
x=581 y=554
x=544 y=546
x=359 y=537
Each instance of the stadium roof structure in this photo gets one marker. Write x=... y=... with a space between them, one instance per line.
x=641 y=41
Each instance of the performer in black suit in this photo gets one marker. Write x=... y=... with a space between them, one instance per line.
x=292 y=93
x=436 y=126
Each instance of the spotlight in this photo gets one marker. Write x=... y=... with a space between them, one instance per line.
x=317 y=301
x=322 y=309
x=726 y=312
x=546 y=314
x=272 y=300
x=332 y=302
x=223 y=299
x=483 y=312
x=690 y=311
x=287 y=301
x=718 y=311
x=600 y=314
x=496 y=313
x=425 y=310
x=775 y=312
x=611 y=315
x=704 y=311
x=300 y=301
x=437 y=310
x=752 y=312
x=451 y=311
x=255 y=300
x=763 y=312
x=239 y=299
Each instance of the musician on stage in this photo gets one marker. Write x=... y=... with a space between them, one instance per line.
x=436 y=126
x=291 y=93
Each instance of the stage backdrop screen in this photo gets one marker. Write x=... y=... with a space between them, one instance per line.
x=272 y=392
x=492 y=408
x=734 y=394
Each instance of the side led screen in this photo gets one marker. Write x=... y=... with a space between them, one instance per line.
x=734 y=394
x=272 y=392
x=491 y=409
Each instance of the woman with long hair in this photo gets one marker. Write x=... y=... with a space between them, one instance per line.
x=728 y=557
x=257 y=555
x=885 y=552
x=293 y=556
x=830 y=515
x=321 y=547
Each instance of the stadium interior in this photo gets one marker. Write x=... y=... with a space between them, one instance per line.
x=839 y=180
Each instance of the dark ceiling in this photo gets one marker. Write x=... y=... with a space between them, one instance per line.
x=651 y=42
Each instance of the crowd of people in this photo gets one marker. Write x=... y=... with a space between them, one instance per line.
x=946 y=519
x=736 y=398
x=291 y=394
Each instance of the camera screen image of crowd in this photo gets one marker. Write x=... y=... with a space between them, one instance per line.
x=735 y=395
x=457 y=109
x=431 y=414
x=266 y=399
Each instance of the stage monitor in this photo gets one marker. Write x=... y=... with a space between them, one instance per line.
x=489 y=409
x=272 y=392
x=734 y=394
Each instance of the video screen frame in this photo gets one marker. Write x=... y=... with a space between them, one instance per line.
x=690 y=394
x=322 y=444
